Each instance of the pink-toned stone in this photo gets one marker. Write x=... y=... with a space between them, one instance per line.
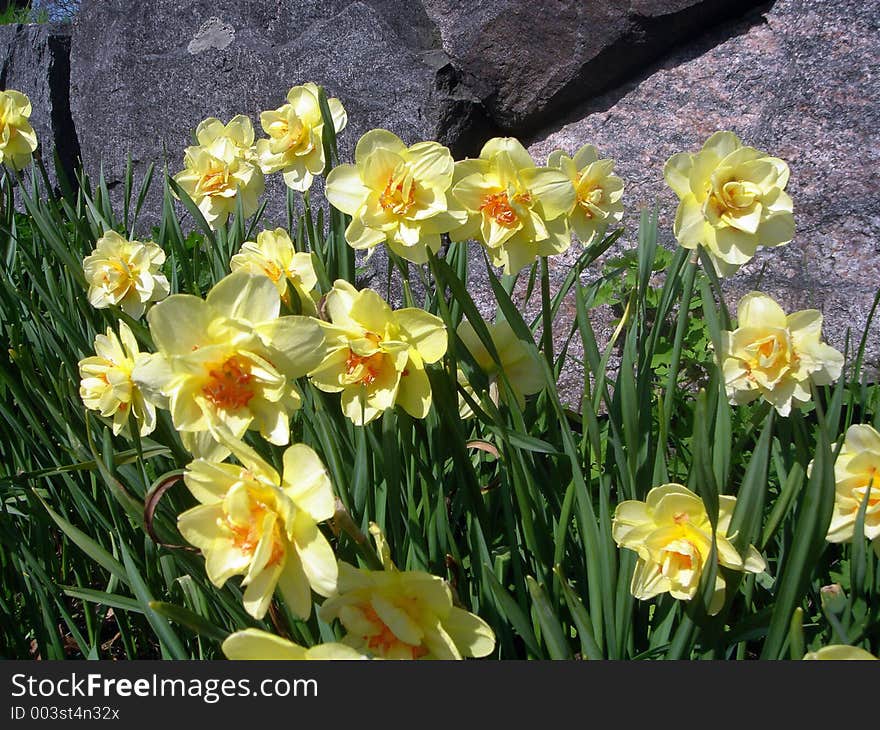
x=800 y=82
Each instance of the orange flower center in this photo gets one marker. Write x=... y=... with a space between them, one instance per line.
x=399 y=194
x=230 y=384
x=118 y=274
x=498 y=207
x=872 y=483
x=590 y=196
x=738 y=195
x=215 y=181
x=383 y=642
x=273 y=271
x=680 y=555
x=247 y=537
x=363 y=369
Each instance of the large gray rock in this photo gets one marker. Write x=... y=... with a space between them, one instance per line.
x=34 y=59
x=527 y=61
x=145 y=74
x=800 y=82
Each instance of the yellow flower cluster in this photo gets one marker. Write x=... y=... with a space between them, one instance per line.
x=107 y=385
x=273 y=255
x=125 y=273
x=254 y=522
x=732 y=200
x=228 y=361
x=775 y=356
x=376 y=357
x=228 y=166
x=395 y=194
x=387 y=614
x=522 y=371
x=393 y=614
x=228 y=364
x=857 y=482
x=672 y=534
x=406 y=197
x=295 y=143
x=221 y=170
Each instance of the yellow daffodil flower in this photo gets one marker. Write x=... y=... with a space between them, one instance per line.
x=838 y=652
x=216 y=175
x=393 y=614
x=229 y=360
x=239 y=130
x=18 y=140
x=597 y=192
x=732 y=200
x=774 y=356
x=106 y=385
x=255 y=523
x=125 y=273
x=295 y=144
x=857 y=476
x=376 y=357
x=523 y=372
x=672 y=535
x=273 y=255
x=396 y=195
x=517 y=210
x=261 y=645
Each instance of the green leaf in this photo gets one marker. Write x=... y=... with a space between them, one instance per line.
x=589 y=648
x=106 y=599
x=191 y=620
x=164 y=632
x=87 y=544
x=551 y=629
x=514 y=613
x=747 y=515
x=813 y=519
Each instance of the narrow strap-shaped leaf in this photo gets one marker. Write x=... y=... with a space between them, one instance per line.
x=747 y=515
x=582 y=621
x=813 y=519
x=195 y=623
x=554 y=636
x=86 y=544
x=160 y=624
x=510 y=608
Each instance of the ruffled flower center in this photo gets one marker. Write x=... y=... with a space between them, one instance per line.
x=118 y=276
x=681 y=562
x=230 y=383
x=247 y=537
x=500 y=208
x=215 y=180
x=738 y=195
x=272 y=270
x=589 y=195
x=363 y=369
x=384 y=642
x=772 y=356
x=872 y=482
x=399 y=195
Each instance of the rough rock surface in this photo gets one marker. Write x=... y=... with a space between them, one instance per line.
x=527 y=61
x=34 y=59
x=800 y=82
x=144 y=75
